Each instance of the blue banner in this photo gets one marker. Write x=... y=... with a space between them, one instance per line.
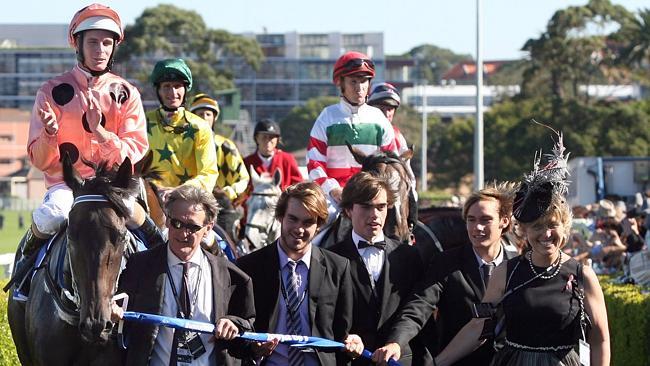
x=202 y=327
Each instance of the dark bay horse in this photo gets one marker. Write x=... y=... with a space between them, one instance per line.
x=393 y=167
x=52 y=329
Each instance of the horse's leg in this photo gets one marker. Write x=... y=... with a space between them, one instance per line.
x=16 y=319
x=51 y=341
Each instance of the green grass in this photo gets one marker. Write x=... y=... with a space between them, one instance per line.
x=10 y=234
x=8 y=354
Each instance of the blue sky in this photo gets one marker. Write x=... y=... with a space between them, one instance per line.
x=405 y=23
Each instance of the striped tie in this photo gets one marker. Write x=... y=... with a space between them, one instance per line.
x=296 y=358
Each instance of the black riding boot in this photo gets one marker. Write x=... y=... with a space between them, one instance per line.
x=152 y=234
x=29 y=247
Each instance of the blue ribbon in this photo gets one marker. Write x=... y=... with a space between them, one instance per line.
x=202 y=327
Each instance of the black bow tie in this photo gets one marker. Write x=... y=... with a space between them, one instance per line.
x=381 y=245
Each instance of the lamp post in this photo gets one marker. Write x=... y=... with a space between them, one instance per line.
x=478 y=127
x=423 y=168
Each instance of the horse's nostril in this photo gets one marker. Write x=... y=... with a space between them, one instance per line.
x=108 y=326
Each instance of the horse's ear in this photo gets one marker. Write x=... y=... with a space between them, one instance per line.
x=277 y=177
x=124 y=173
x=406 y=155
x=144 y=165
x=255 y=177
x=358 y=155
x=71 y=176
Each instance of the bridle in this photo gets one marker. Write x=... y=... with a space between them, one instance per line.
x=266 y=228
x=369 y=165
x=72 y=317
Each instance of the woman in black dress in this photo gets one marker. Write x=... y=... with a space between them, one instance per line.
x=551 y=302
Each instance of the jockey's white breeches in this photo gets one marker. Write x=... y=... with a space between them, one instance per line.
x=52 y=213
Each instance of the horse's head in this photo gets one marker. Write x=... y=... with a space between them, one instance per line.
x=97 y=236
x=261 y=226
x=394 y=168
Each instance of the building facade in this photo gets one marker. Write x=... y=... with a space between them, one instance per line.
x=297 y=66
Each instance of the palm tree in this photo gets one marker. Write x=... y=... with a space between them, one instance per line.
x=637 y=53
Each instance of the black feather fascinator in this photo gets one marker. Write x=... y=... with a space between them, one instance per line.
x=541 y=185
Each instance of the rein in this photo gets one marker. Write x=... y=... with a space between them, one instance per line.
x=266 y=228
x=265 y=194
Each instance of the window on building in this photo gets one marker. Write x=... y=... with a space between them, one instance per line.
x=6 y=138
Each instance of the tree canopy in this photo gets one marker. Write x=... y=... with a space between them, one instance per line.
x=166 y=31
x=298 y=123
x=432 y=62
x=598 y=43
x=581 y=46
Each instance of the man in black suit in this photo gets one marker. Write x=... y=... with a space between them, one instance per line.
x=300 y=288
x=182 y=280
x=383 y=271
x=457 y=278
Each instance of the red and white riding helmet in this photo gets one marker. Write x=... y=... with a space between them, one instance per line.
x=95 y=16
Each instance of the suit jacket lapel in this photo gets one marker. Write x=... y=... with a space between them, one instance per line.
x=220 y=287
x=507 y=254
x=383 y=284
x=159 y=272
x=271 y=286
x=360 y=272
x=317 y=273
x=471 y=272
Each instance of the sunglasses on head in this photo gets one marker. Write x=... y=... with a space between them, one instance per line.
x=356 y=63
x=178 y=224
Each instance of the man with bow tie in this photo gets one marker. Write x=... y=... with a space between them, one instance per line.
x=383 y=271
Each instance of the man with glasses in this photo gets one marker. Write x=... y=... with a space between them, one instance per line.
x=352 y=121
x=182 y=142
x=182 y=280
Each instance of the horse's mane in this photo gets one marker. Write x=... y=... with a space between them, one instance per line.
x=101 y=184
x=386 y=157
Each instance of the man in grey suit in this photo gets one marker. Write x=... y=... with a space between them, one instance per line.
x=457 y=279
x=182 y=280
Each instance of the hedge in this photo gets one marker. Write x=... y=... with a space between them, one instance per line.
x=628 y=312
x=8 y=354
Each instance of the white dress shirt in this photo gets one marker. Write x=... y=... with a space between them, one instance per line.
x=372 y=257
x=499 y=258
x=280 y=356
x=200 y=303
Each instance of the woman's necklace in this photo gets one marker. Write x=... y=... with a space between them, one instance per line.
x=557 y=264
